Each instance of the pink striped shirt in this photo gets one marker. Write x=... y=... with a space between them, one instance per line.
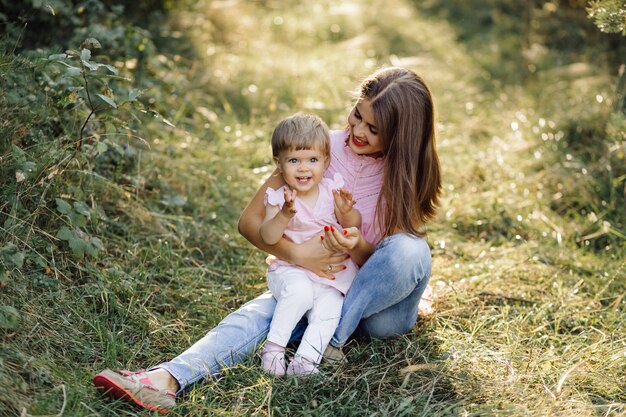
x=363 y=177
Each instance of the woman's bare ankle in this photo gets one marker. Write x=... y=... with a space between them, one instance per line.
x=162 y=379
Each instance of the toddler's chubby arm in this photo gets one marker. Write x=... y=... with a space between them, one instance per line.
x=346 y=214
x=277 y=219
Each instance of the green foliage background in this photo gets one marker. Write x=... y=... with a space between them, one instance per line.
x=133 y=133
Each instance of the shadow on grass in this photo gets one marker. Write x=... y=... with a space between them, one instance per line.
x=514 y=40
x=403 y=375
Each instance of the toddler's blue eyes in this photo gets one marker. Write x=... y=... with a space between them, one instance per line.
x=295 y=161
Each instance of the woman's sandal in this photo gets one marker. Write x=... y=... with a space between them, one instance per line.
x=334 y=355
x=135 y=387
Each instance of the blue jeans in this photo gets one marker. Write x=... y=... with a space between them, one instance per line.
x=381 y=302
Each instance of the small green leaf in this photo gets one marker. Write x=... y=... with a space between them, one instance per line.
x=97 y=243
x=91 y=65
x=91 y=250
x=81 y=208
x=108 y=100
x=85 y=54
x=77 y=246
x=29 y=168
x=11 y=255
x=110 y=68
x=57 y=57
x=78 y=220
x=18 y=153
x=64 y=233
x=9 y=317
x=64 y=63
x=17 y=259
x=9 y=248
x=39 y=260
x=101 y=148
x=73 y=71
x=63 y=206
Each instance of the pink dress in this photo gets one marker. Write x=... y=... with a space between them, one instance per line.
x=309 y=223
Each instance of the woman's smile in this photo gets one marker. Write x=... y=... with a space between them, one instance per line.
x=359 y=142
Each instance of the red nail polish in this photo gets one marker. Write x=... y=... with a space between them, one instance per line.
x=344 y=267
x=322 y=237
x=326 y=228
x=332 y=229
x=332 y=279
x=345 y=232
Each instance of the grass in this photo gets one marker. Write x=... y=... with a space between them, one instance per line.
x=529 y=309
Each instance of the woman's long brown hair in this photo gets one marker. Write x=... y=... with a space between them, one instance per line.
x=403 y=108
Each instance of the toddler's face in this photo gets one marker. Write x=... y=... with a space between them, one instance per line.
x=302 y=169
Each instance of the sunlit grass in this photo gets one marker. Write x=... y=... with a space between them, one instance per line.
x=521 y=314
x=529 y=317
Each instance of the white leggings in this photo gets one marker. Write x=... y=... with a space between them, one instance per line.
x=298 y=296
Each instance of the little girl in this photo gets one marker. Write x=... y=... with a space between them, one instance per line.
x=299 y=210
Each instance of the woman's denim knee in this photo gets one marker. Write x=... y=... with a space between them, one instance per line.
x=408 y=252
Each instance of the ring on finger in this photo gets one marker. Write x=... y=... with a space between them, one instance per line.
x=330 y=267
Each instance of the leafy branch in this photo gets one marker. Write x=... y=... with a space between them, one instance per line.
x=608 y=15
x=82 y=78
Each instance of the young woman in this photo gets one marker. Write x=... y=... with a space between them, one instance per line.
x=388 y=159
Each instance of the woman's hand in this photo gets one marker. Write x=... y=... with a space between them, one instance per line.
x=349 y=240
x=340 y=242
x=316 y=257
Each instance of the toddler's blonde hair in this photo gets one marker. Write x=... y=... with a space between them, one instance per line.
x=301 y=131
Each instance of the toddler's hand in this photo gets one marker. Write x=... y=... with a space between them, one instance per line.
x=288 y=208
x=343 y=200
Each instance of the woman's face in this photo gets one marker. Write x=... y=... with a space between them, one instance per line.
x=364 y=138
